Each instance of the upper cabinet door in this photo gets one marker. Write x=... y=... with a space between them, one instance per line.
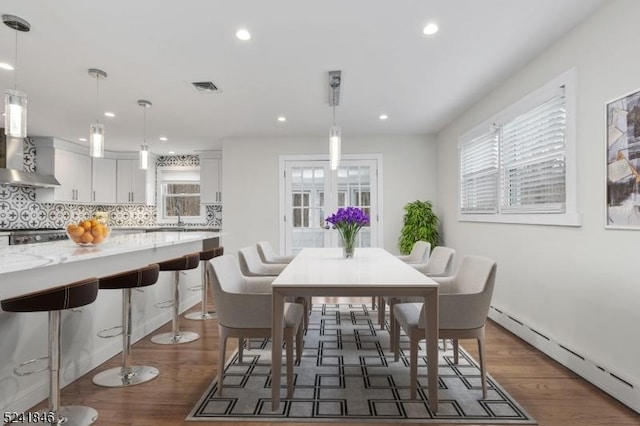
x=210 y=180
x=123 y=186
x=103 y=179
x=73 y=171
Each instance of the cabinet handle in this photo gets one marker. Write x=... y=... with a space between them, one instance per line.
x=94 y=195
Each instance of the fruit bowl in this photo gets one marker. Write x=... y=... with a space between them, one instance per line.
x=87 y=233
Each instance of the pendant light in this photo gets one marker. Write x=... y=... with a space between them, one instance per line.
x=15 y=102
x=144 y=148
x=335 y=133
x=96 y=130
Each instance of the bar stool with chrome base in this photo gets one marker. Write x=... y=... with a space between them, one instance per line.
x=127 y=374
x=55 y=300
x=175 y=336
x=205 y=256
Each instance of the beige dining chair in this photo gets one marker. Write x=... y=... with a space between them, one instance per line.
x=463 y=309
x=244 y=311
x=268 y=255
x=439 y=264
x=419 y=253
x=252 y=266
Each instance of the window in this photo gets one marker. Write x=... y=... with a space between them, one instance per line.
x=519 y=166
x=179 y=190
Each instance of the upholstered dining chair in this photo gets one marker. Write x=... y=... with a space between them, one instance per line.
x=268 y=255
x=244 y=311
x=252 y=266
x=439 y=264
x=463 y=309
x=419 y=253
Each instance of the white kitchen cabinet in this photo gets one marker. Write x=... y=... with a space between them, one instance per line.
x=134 y=185
x=4 y=240
x=69 y=165
x=210 y=180
x=103 y=180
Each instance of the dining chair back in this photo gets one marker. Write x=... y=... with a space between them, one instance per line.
x=439 y=264
x=419 y=253
x=268 y=255
x=252 y=265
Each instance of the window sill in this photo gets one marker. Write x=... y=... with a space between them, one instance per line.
x=550 y=219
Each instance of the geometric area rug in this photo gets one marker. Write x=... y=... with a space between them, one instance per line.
x=347 y=374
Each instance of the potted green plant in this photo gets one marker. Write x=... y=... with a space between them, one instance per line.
x=420 y=224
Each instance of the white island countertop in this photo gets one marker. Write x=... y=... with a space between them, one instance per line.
x=31 y=267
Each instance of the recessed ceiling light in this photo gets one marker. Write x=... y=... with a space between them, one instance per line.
x=383 y=116
x=282 y=119
x=430 y=29
x=109 y=114
x=6 y=66
x=243 y=34
x=82 y=139
x=163 y=138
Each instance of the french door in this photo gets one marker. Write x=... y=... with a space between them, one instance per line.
x=312 y=191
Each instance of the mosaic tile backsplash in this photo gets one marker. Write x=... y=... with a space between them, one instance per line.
x=19 y=209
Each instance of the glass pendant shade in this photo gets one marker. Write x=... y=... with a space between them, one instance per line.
x=334 y=147
x=144 y=157
x=96 y=140
x=15 y=114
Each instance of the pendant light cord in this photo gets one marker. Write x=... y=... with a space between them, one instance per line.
x=97 y=98
x=144 y=125
x=15 y=74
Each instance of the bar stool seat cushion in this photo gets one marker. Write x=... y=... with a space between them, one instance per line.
x=142 y=277
x=190 y=261
x=68 y=296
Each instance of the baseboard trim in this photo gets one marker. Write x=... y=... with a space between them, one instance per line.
x=612 y=382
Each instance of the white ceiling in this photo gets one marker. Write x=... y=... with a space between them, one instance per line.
x=152 y=49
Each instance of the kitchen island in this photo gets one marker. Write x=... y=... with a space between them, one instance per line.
x=34 y=267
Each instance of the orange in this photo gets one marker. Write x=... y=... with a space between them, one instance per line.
x=76 y=230
x=97 y=240
x=87 y=237
x=86 y=224
x=97 y=231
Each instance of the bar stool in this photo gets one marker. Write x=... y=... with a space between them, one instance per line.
x=127 y=375
x=175 y=336
x=55 y=300
x=205 y=256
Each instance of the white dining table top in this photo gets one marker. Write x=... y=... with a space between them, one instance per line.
x=370 y=267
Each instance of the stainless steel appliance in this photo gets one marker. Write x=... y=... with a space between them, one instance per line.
x=31 y=236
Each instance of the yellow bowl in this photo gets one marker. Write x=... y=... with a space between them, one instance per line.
x=87 y=234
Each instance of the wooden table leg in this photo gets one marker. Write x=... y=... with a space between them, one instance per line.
x=431 y=320
x=277 y=325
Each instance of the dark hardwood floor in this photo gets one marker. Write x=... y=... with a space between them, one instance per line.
x=552 y=394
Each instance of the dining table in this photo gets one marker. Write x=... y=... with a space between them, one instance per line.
x=370 y=272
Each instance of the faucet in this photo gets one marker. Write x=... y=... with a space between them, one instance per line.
x=178 y=212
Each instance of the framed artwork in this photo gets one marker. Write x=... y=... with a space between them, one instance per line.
x=623 y=162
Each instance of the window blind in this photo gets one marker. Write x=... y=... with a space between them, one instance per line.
x=479 y=174
x=533 y=160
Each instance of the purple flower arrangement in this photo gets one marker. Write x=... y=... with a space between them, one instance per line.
x=348 y=221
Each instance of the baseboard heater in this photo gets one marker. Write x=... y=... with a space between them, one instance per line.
x=609 y=381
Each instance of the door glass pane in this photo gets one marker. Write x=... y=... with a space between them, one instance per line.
x=307 y=207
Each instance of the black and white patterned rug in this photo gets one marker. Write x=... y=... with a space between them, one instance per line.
x=347 y=373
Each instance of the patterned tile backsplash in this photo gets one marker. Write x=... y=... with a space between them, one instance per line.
x=19 y=209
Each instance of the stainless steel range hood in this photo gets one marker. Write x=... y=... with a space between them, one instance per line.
x=12 y=166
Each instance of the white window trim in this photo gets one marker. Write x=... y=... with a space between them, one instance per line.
x=160 y=203
x=571 y=216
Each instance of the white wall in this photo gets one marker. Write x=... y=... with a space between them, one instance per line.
x=250 y=182
x=578 y=286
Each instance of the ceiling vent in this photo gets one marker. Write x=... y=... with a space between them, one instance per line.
x=205 y=86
